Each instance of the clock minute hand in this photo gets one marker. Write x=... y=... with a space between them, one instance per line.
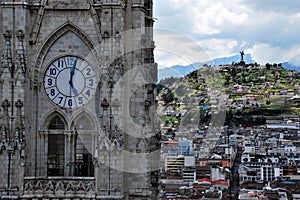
x=72 y=72
x=74 y=90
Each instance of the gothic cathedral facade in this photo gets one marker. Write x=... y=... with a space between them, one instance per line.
x=77 y=82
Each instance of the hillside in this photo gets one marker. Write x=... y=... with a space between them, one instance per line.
x=249 y=94
x=181 y=71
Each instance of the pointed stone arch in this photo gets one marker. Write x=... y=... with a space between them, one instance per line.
x=84 y=121
x=54 y=37
x=54 y=115
x=84 y=128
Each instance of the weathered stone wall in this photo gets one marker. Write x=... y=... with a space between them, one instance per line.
x=13 y=25
x=93 y=30
x=15 y=174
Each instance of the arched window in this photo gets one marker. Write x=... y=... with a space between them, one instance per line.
x=83 y=156
x=83 y=123
x=56 y=147
x=83 y=147
x=56 y=123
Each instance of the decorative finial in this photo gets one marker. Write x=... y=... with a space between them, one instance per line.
x=104 y=104
x=5 y=104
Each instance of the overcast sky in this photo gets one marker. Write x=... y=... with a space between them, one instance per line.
x=187 y=31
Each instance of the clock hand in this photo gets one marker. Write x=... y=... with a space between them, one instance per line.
x=72 y=72
x=71 y=81
x=74 y=90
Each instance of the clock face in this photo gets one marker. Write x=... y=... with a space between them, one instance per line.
x=70 y=82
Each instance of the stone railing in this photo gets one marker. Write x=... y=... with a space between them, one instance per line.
x=65 y=187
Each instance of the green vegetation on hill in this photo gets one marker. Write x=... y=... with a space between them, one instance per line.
x=252 y=94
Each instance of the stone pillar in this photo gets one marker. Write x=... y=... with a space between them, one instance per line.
x=68 y=154
x=21 y=178
x=96 y=176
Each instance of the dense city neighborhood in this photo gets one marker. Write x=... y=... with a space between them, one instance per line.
x=231 y=132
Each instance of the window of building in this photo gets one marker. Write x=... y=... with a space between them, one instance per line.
x=56 y=124
x=56 y=148
x=56 y=154
x=83 y=123
x=83 y=165
x=78 y=160
x=83 y=158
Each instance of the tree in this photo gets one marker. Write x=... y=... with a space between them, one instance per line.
x=227 y=78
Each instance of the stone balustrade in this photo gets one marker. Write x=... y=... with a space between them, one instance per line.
x=81 y=187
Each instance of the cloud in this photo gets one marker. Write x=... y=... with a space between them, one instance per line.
x=210 y=17
x=263 y=53
x=219 y=47
x=176 y=48
x=173 y=15
x=295 y=59
x=269 y=29
x=288 y=7
x=179 y=3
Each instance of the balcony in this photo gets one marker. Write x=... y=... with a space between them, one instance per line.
x=63 y=187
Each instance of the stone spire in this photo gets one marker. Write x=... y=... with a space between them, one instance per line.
x=7 y=55
x=21 y=51
x=18 y=122
x=5 y=119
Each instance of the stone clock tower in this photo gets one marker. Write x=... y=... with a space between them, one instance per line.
x=77 y=100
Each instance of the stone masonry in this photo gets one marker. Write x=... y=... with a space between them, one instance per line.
x=106 y=149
